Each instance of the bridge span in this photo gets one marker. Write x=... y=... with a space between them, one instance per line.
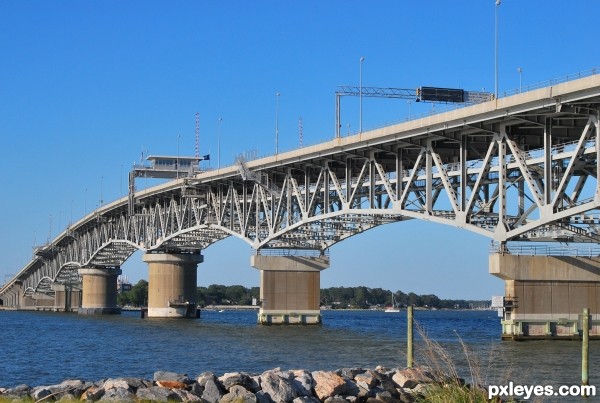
x=521 y=168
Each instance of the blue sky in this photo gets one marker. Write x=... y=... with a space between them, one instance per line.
x=86 y=85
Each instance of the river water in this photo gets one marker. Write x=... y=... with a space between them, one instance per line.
x=41 y=348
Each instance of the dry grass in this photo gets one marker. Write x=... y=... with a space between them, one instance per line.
x=452 y=388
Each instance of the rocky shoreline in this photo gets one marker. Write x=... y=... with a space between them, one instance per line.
x=276 y=385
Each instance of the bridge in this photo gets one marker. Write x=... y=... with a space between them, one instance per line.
x=517 y=169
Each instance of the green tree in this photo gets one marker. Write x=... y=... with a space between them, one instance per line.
x=138 y=296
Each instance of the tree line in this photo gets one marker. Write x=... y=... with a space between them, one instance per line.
x=334 y=297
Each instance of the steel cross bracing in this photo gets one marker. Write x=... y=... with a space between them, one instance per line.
x=517 y=168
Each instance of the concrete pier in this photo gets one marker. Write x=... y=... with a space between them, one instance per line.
x=545 y=295
x=66 y=298
x=290 y=288
x=99 y=291
x=172 y=282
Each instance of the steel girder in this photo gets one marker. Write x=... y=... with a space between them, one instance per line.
x=525 y=168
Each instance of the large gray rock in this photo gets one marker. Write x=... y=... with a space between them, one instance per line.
x=302 y=383
x=75 y=387
x=137 y=383
x=384 y=396
x=212 y=391
x=351 y=388
x=116 y=384
x=204 y=377
x=186 y=396
x=335 y=399
x=157 y=394
x=366 y=378
x=262 y=397
x=238 y=394
x=40 y=392
x=349 y=372
x=389 y=386
x=93 y=393
x=16 y=392
x=328 y=384
x=118 y=394
x=279 y=389
x=170 y=376
x=363 y=392
x=196 y=389
x=411 y=377
x=306 y=399
x=289 y=375
x=237 y=378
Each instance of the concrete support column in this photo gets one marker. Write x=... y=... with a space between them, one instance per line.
x=545 y=295
x=172 y=280
x=66 y=298
x=99 y=293
x=290 y=288
x=60 y=297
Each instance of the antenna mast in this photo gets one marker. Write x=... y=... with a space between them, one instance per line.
x=197 y=135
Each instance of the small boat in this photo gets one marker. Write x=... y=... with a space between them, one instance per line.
x=220 y=310
x=394 y=308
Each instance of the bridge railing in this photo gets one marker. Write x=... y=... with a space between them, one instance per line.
x=552 y=81
x=530 y=87
x=292 y=252
x=253 y=155
x=546 y=250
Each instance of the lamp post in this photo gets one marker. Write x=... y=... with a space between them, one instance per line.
x=219 y=144
x=496 y=47
x=362 y=59
x=277 y=123
x=520 y=71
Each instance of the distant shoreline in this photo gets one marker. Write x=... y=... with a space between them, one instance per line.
x=255 y=308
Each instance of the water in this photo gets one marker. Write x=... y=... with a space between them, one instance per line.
x=45 y=348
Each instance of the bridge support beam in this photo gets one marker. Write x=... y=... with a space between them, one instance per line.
x=99 y=293
x=545 y=295
x=172 y=282
x=290 y=288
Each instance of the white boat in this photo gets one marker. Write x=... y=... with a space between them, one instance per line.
x=394 y=308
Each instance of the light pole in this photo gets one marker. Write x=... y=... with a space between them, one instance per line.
x=177 y=162
x=219 y=144
x=520 y=71
x=496 y=52
x=277 y=123
x=362 y=59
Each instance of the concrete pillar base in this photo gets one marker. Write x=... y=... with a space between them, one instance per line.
x=293 y=318
x=545 y=295
x=290 y=288
x=99 y=311
x=172 y=283
x=99 y=292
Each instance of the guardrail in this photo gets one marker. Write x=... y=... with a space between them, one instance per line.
x=292 y=252
x=546 y=250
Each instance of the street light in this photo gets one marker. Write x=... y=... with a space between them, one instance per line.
x=520 y=70
x=496 y=59
x=277 y=123
x=362 y=59
x=219 y=145
x=177 y=162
